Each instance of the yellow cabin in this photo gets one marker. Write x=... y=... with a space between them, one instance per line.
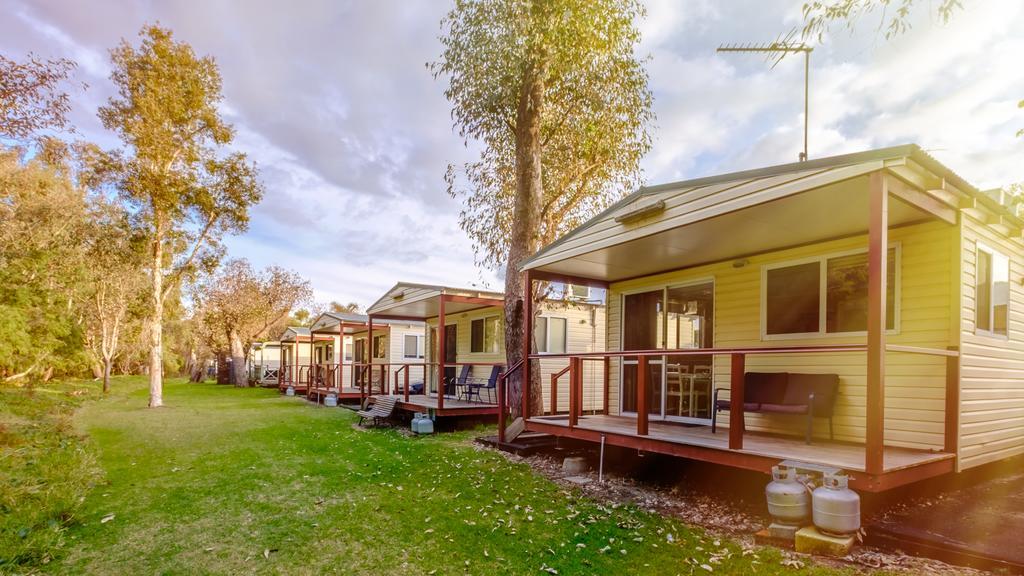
x=880 y=282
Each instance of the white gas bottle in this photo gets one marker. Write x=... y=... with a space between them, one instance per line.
x=836 y=507
x=788 y=499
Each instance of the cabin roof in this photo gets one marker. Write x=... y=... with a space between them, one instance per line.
x=421 y=301
x=328 y=322
x=681 y=224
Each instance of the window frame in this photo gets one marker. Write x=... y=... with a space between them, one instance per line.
x=483 y=335
x=822 y=260
x=349 y=350
x=383 y=347
x=547 y=334
x=992 y=253
x=418 y=352
x=571 y=295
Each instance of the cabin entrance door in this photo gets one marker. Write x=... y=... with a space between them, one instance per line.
x=669 y=318
x=451 y=355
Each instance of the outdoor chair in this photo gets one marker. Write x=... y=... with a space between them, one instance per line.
x=460 y=382
x=475 y=385
x=383 y=407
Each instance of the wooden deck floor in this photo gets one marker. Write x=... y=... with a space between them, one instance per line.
x=452 y=407
x=849 y=457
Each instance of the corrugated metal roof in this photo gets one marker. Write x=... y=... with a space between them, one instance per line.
x=680 y=203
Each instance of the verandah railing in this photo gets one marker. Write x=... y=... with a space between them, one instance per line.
x=737 y=363
x=374 y=378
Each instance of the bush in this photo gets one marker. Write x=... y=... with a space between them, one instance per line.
x=45 y=470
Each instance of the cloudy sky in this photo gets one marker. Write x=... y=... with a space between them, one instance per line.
x=353 y=135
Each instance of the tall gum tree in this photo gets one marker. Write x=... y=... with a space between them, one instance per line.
x=243 y=306
x=555 y=93
x=186 y=189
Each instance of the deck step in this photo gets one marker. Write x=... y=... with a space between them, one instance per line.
x=525 y=444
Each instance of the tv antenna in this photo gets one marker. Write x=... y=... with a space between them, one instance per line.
x=775 y=52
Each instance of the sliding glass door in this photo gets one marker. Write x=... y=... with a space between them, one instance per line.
x=689 y=322
x=674 y=317
x=643 y=318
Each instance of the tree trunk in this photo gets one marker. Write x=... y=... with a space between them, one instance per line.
x=525 y=221
x=156 y=328
x=239 y=377
x=195 y=367
x=107 y=363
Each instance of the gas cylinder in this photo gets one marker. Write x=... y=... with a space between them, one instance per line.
x=836 y=507
x=426 y=425
x=290 y=391
x=788 y=500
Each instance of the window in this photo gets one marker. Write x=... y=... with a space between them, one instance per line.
x=992 y=292
x=379 y=346
x=792 y=299
x=578 y=292
x=828 y=295
x=550 y=335
x=413 y=346
x=348 y=351
x=484 y=335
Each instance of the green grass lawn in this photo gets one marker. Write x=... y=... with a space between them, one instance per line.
x=232 y=481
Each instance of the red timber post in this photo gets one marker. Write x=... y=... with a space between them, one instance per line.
x=280 y=364
x=607 y=382
x=527 y=342
x=878 y=224
x=441 y=337
x=502 y=404
x=579 y=389
x=641 y=396
x=406 y=383
x=309 y=373
x=574 y=373
x=369 y=355
x=736 y=372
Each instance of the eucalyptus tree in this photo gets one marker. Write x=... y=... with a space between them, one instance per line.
x=112 y=296
x=186 y=188
x=559 y=99
x=242 y=305
x=32 y=98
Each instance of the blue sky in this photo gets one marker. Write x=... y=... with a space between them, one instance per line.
x=353 y=135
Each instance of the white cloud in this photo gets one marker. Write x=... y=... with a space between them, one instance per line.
x=353 y=135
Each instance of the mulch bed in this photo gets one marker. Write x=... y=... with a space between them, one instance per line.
x=697 y=497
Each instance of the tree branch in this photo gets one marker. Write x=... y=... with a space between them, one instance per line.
x=175 y=275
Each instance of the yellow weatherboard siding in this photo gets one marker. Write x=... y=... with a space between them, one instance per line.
x=992 y=367
x=585 y=328
x=915 y=384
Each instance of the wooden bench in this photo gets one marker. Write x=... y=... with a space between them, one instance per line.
x=785 y=393
x=381 y=410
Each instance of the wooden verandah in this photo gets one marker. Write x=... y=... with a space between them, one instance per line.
x=873 y=465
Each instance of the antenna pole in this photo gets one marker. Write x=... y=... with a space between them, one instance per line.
x=776 y=52
x=807 y=98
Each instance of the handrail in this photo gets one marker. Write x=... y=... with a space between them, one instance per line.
x=404 y=368
x=554 y=388
x=747 y=351
x=503 y=397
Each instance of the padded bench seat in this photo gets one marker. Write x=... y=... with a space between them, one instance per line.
x=785 y=393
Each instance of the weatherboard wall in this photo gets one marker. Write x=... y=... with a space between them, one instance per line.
x=915 y=384
x=585 y=327
x=992 y=367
